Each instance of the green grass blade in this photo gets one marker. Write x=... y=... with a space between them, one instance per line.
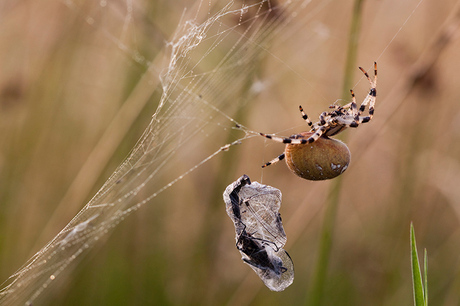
x=419 y=295
x=425 y=277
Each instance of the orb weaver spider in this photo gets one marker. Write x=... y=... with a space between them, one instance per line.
x=314 y=161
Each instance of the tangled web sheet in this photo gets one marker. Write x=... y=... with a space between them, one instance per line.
x=196 y=104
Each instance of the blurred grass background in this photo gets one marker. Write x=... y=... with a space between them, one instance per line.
x=64 y=79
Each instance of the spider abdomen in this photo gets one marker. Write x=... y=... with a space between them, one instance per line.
x=322 y=159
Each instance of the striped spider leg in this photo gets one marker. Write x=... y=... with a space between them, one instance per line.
x=333 y=122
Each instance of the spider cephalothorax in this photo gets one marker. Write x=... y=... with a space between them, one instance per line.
x=313 y=155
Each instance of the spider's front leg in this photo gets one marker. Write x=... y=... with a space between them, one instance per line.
x=304 y=116
x=295 y=139
x=273 y=161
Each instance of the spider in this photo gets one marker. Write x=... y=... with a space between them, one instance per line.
x=305 y=159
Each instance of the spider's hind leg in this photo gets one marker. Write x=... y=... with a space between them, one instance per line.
x=371 y=96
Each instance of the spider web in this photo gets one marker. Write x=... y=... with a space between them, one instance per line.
x=194 y=104
x=210 y=72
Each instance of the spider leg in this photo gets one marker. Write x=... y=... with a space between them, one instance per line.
x=350 y=121
x=334 y=106
x=317 y=134
x=364 y=119
x=371 y=97
x=343 y=107
x=354 y=110
x=304 y=116
x=373 y=92
x=322 y=118
x=291 y=140
x=273 y=161
x=353 y=106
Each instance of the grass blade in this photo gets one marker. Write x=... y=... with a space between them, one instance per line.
x=425 y=276
x=419 y=294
